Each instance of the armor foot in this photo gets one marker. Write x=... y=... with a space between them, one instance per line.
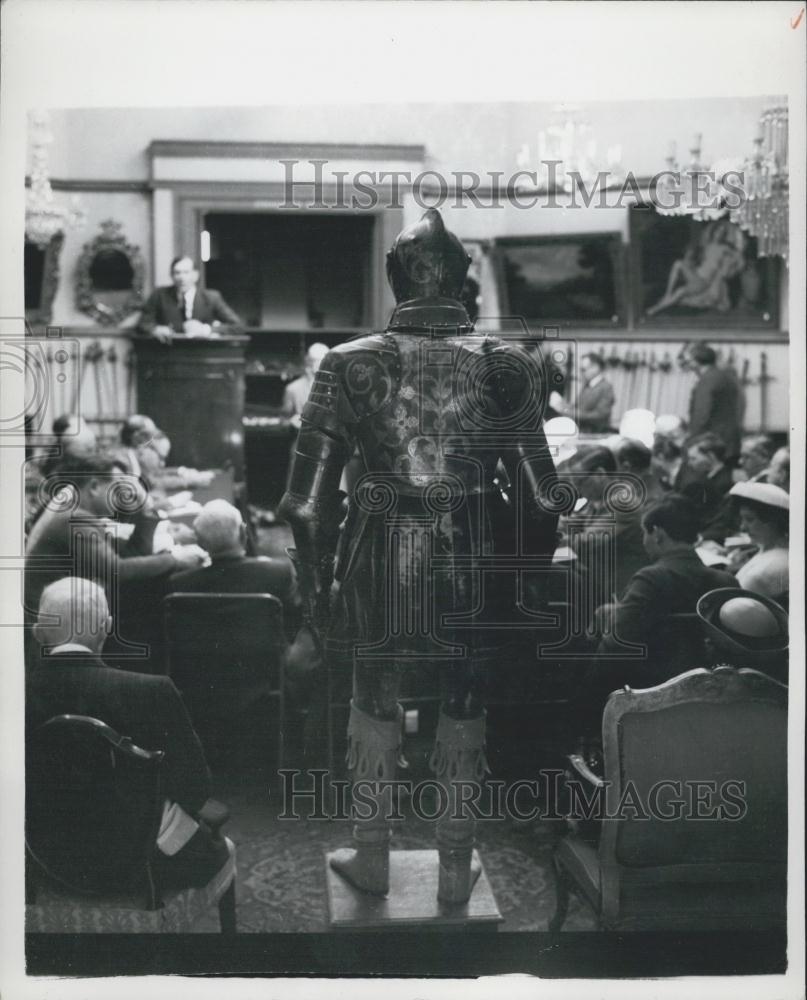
x=365 y=867
x=459 y=873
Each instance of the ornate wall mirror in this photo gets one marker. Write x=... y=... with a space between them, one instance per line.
x=109 y=276
x=41 y=277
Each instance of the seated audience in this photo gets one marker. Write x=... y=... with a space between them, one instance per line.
x=136 y=437
x=672 y=584
x=611 y=557
x=72 y=437
x=756 y=452
x=75 y=539
x=636 y=459
x=669 y=451
x=778 y=473
x=708 y=478
x=71 y=678
x=144 y=451
x=590 y=470
x=765 y=517
x=745 y=630
x=221 y=532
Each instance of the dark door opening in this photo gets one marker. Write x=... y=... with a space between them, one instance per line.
x=290 y=272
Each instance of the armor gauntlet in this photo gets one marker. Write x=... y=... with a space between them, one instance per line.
x=314 y=507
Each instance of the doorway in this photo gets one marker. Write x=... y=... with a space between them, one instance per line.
x=290 y=272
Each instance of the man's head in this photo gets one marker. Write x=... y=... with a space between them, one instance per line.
x=779 y=469
x=75 y=436
x=756 y=453
x=591 y=365
x=705 y=454
x=633 y=456
x=670 y=429
x=184 y=274
x=670 y=523
x=220 y=529
x=101 y=484
x=592 y=468
x=703 y=356
x=313 y=357
x=137 y=430
x=73 y=610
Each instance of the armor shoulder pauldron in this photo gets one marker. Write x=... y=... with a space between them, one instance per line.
x=354 y=381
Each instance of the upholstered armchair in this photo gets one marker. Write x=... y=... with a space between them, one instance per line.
x=694 y=808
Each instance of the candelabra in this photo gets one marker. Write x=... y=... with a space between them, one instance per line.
x=695 y=189
x=567 y=153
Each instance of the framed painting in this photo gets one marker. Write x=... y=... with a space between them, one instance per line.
x=699 y=274
x=574 y=280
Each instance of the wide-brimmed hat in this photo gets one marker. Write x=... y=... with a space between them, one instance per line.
x=744 y=621
x=767 y=493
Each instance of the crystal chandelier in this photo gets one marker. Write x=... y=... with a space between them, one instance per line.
x=763 y=212
x=695 y=190
x=44 y=218
x=568 y=146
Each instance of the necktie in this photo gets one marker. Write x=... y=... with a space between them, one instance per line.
x=183 y=307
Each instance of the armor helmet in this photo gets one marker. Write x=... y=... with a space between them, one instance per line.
x=427 y=261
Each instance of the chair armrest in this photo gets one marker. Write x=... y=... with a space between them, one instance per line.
x=215 y=814
x=584 y=770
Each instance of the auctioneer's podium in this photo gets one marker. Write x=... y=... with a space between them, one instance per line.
x=193 y=389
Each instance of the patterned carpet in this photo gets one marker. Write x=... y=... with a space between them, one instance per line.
x=281 y=868
x=281 y=864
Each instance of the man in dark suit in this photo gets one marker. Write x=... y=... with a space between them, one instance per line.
x=706 y=482
x=672 y=584
x=69 y=677
x=186 y=309
x=717 y=403
x=596 y=397
x=221 y=531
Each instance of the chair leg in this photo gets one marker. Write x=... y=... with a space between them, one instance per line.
x=227 y=911
x=561 y=897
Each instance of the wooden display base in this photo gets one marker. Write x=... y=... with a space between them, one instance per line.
x=412 y=901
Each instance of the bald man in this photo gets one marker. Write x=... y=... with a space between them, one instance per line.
x=70 y=678
x=221 y=531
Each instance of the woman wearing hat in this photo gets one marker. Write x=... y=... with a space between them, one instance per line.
x=765 y=516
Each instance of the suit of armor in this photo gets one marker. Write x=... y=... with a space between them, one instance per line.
x=441 y=417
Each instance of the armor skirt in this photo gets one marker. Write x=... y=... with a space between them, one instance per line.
x=416 y=577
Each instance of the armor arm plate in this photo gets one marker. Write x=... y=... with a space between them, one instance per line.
x=530 y=465
x=313 y=505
